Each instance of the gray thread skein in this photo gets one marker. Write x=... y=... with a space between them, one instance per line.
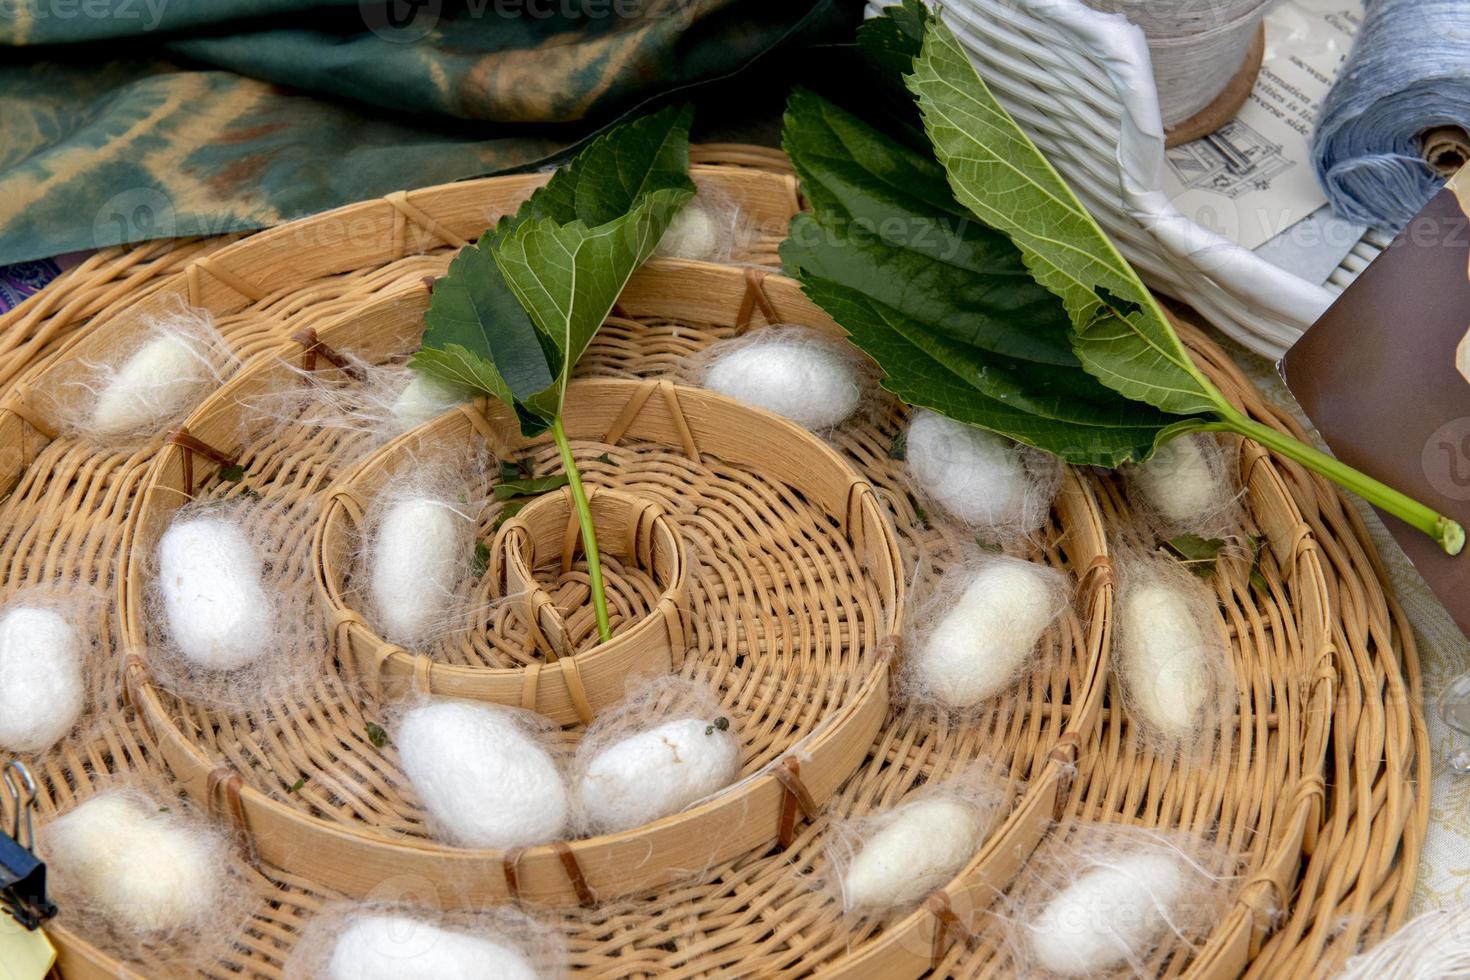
x=1196 y=46
x=1408 y=73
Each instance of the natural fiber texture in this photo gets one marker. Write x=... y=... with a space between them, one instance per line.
x=1325 y=673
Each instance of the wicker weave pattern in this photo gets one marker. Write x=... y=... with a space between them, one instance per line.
x=1316 y=782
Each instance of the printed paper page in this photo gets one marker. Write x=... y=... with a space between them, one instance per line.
x=1252 y=179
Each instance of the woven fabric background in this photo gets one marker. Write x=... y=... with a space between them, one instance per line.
x=175 y=120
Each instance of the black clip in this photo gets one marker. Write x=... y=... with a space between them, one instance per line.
x=22 y=874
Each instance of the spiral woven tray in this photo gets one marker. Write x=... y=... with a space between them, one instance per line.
x=1317 y=780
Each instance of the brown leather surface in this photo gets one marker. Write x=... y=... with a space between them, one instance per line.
x=1377 y=376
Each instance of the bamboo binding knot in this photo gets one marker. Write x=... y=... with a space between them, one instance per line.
x=313 y=348
x=1097 y=575
x=231 y=806
x=576 y=689
x=1252 y=455
x=568 y=858
x=510 y=868
x=634 y=406
x=858 y=492
x=754 y=298
x=571 y=675
x=1264 y=896
x=890 y=653
x=423 y=673
x=675 y=626
x=1303 y=540
x=947 y=926
x=549 y=633
x=350 y=501
x=552 y=637
x=512 y=534
x=194 y=281
x=475 y=412
x=1312 y=788
x=134 y=674
x=639 y=541
x=1325 y=670
x=795 y=797
x=19 y=405
x=343 y=620
x=381 y=658
x=530 y=681
x=405 y=213
x=191 y=447
x=1064 y=754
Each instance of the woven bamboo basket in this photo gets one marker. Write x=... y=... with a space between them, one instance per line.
x=1319 y=787
x=812 y=693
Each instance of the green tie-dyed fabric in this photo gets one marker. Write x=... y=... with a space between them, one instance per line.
x=123 y=120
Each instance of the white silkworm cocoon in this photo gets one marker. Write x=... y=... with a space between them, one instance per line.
x=809 y=379
x=41 y=690
x=419 y=552
x=219 y=614
x=1180 y=482
x=975 y=475
x=482 y=775
x=694 y=233
x=926 y=842
x=1166 y=664
x=423 y=398
x=154 y=384
x=980 y=644
x=396 y=947
x=1110 y=915
x=138 y=866
x=656 y=772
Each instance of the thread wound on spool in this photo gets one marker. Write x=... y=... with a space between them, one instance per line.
x=1395 y=123
x=1197 y=47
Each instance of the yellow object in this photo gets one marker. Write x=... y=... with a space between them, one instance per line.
x=24 y=955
